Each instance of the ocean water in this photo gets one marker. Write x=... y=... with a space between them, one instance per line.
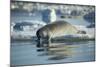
x=27 y=53
x=20 y=16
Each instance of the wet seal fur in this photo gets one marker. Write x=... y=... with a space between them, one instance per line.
x=55 y=29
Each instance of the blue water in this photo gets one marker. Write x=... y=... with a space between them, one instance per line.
x=22 y=16
x=26 y=53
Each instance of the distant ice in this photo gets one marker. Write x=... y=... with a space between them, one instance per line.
x=27 y=31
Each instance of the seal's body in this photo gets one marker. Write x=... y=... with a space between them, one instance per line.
x=56 y=29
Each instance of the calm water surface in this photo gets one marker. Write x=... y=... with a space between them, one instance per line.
x=27 y=53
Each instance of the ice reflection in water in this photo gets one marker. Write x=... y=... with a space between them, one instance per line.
x=27 y=53
x=58 y=51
